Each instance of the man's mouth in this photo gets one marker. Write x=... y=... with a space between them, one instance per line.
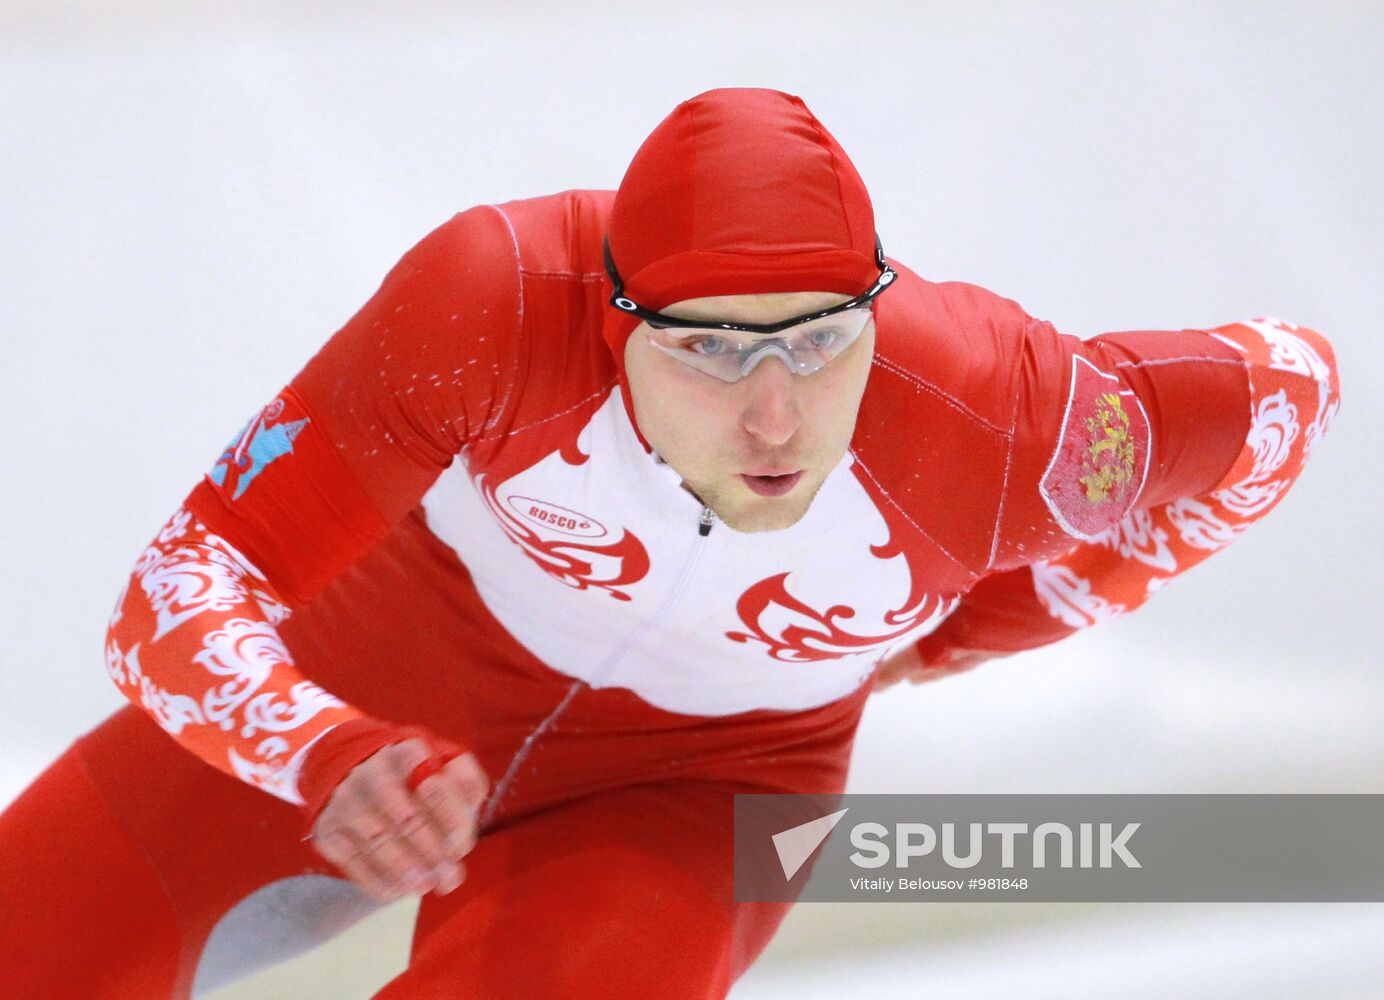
x=771 y=485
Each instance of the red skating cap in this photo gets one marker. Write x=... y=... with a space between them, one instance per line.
x=739 y=191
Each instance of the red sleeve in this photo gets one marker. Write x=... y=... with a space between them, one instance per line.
x=353 y=442
x=314 y=480
x=1109 y=425
x=1182 y=440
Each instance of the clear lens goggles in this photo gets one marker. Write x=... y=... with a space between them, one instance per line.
x=731 y=355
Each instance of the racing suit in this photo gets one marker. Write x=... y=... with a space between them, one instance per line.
x=449 y=519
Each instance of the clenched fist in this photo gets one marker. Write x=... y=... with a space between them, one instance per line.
x=392 y=841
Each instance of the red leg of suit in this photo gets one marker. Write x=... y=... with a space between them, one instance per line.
x=623 y=894
x=126 y=855
x=83 y=912
x=120 y=860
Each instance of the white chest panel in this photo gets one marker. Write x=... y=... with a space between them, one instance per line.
x=599 y=570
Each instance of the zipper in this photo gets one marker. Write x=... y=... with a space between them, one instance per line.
x=704 y=523
x=502 y=787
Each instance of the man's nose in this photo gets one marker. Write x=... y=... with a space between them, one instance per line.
x=771 y=409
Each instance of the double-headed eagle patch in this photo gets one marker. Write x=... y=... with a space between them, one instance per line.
x=1101 y=460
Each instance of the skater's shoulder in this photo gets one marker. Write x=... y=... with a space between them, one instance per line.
x=952 y=307
x=558 y=235
x=550 y=237
x=953 y=335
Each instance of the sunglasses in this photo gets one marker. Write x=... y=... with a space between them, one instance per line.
x=730 y=351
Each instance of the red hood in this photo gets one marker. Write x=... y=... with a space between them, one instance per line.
x=738 y=191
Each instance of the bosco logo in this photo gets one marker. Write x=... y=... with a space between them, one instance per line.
x=550 y=515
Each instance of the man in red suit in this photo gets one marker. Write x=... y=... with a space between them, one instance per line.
x=605 y=507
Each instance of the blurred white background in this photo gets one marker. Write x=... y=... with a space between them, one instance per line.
x=195 y=195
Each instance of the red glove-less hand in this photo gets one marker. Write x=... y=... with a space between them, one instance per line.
x=393 y=807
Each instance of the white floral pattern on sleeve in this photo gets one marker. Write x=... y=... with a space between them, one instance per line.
x=193 y=642
x=1293 y=381
x=1069 y=598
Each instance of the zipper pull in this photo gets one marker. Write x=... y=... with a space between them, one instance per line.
x=705 y=522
